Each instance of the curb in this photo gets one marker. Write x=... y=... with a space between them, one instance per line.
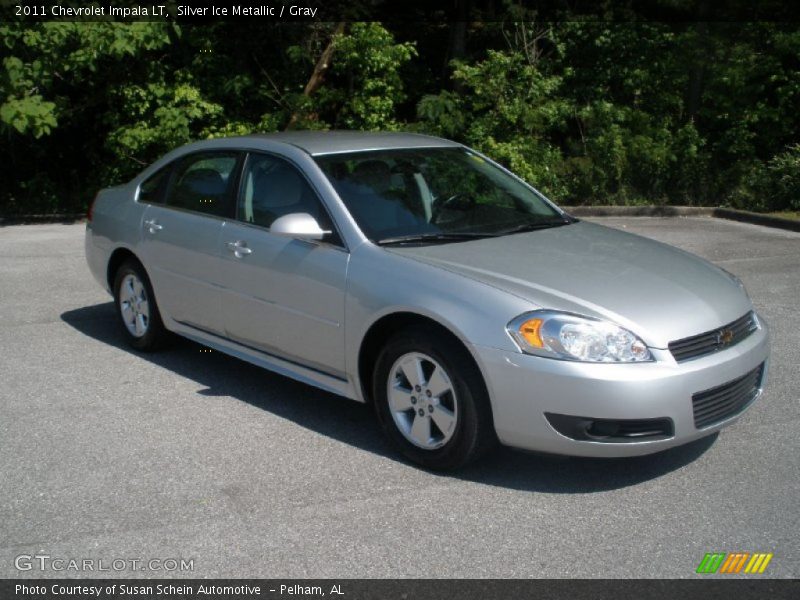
x=742 y=216
x=757 y=219
x=61 y=218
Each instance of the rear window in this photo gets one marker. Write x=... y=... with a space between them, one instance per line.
x=204 y=183
x=151 y=191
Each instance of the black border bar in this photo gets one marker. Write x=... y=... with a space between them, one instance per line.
x=201 y=12
x=705 y=587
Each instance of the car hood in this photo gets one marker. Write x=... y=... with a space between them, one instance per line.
x=657 y=291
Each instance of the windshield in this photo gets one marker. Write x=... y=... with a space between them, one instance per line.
x=434 y=194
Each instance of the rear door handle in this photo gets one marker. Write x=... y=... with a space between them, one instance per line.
x=239 y=248
x=153 y=226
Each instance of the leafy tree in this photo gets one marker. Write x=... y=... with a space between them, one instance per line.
x=507 y=108
x=365 y=83
x=589 y=111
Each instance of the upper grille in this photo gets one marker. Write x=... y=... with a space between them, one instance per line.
x=713 y=341
x=726 y=400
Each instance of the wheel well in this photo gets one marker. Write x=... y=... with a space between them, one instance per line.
x=382 y=330
x=119 y=256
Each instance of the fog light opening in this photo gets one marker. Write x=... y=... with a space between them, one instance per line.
x=616 y=431
x=601 y=429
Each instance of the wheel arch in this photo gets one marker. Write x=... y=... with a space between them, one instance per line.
x=115 y=261
x=388 y=325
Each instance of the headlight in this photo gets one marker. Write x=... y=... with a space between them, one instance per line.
x=571 y=337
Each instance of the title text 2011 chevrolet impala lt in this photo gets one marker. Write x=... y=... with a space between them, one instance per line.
x=416 y=274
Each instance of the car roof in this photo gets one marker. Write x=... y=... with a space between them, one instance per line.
x=334 y=142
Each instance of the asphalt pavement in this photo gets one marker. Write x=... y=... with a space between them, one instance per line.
x=107 y=454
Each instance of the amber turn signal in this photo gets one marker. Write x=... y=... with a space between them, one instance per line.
x=529 y=330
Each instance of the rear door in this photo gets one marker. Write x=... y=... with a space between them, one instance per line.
x=283 y=296
x=180 y=236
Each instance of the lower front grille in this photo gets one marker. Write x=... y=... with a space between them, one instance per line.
x=726 y=400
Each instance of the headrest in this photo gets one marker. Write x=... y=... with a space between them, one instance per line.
x=206 y=182
x=281 y=186
x=375 y=174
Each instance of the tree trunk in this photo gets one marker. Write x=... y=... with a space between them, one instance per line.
x=700 y=58
x=318 y=74
x=697 y=75
x=457 y=45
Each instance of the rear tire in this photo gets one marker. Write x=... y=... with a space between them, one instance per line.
x=137 y=309
x=431 y=400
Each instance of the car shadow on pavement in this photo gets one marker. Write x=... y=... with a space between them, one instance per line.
x=353 y=423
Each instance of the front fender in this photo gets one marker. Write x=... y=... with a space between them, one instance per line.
x=381 y=283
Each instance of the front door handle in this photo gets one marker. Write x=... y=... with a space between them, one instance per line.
x=153 y=226
x=239 y=248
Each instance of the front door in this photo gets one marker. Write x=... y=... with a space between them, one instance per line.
x=283 y=296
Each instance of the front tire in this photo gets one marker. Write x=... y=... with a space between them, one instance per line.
x=137 y=308
x=431 y=400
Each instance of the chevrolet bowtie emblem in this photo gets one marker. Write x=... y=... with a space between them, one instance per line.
x=724 y=337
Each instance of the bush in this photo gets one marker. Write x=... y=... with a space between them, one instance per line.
x=774 y=186
x=783 y=179
x=507 y=108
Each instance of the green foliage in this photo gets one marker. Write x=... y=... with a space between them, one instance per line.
x=55 y=86
x=158 y=118
x=773 y=186
x=366 y=67
x=630 y=113
x=29 y=114
x=589 y=112
x=783 y=179
x=507 y=108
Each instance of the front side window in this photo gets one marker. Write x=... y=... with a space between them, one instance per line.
x=204 y=183
x=272 y=188
x=434 y=194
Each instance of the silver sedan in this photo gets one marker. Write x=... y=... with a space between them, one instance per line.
x=416 y=274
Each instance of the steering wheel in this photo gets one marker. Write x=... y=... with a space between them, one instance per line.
x=440 y=205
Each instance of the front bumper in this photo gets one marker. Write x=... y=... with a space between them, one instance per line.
x=523 y=388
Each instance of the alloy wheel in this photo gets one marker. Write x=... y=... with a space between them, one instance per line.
x=134 y=305
x=422 y=400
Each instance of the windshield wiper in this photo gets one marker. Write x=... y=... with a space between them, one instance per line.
x=433 y=238
x=536 y=226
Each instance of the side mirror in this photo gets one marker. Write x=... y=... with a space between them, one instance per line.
x=298 y=225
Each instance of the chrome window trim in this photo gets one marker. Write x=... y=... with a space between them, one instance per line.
x=174 y=163
x=380 y=149
x=246 y=151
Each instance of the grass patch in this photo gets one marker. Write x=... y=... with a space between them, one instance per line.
x=787 y=214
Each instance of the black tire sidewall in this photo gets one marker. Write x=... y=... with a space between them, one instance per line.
x=154 y=336
x=469 y=439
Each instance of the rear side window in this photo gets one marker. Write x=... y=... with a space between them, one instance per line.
x=205 y=183
x=151 y=191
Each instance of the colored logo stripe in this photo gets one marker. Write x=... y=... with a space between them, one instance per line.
x=758 y=563
x=734 y=562
x=711 y=562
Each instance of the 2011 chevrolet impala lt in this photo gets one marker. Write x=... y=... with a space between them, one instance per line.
x=416 y=274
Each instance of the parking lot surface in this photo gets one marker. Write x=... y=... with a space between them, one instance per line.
x=106 y=453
